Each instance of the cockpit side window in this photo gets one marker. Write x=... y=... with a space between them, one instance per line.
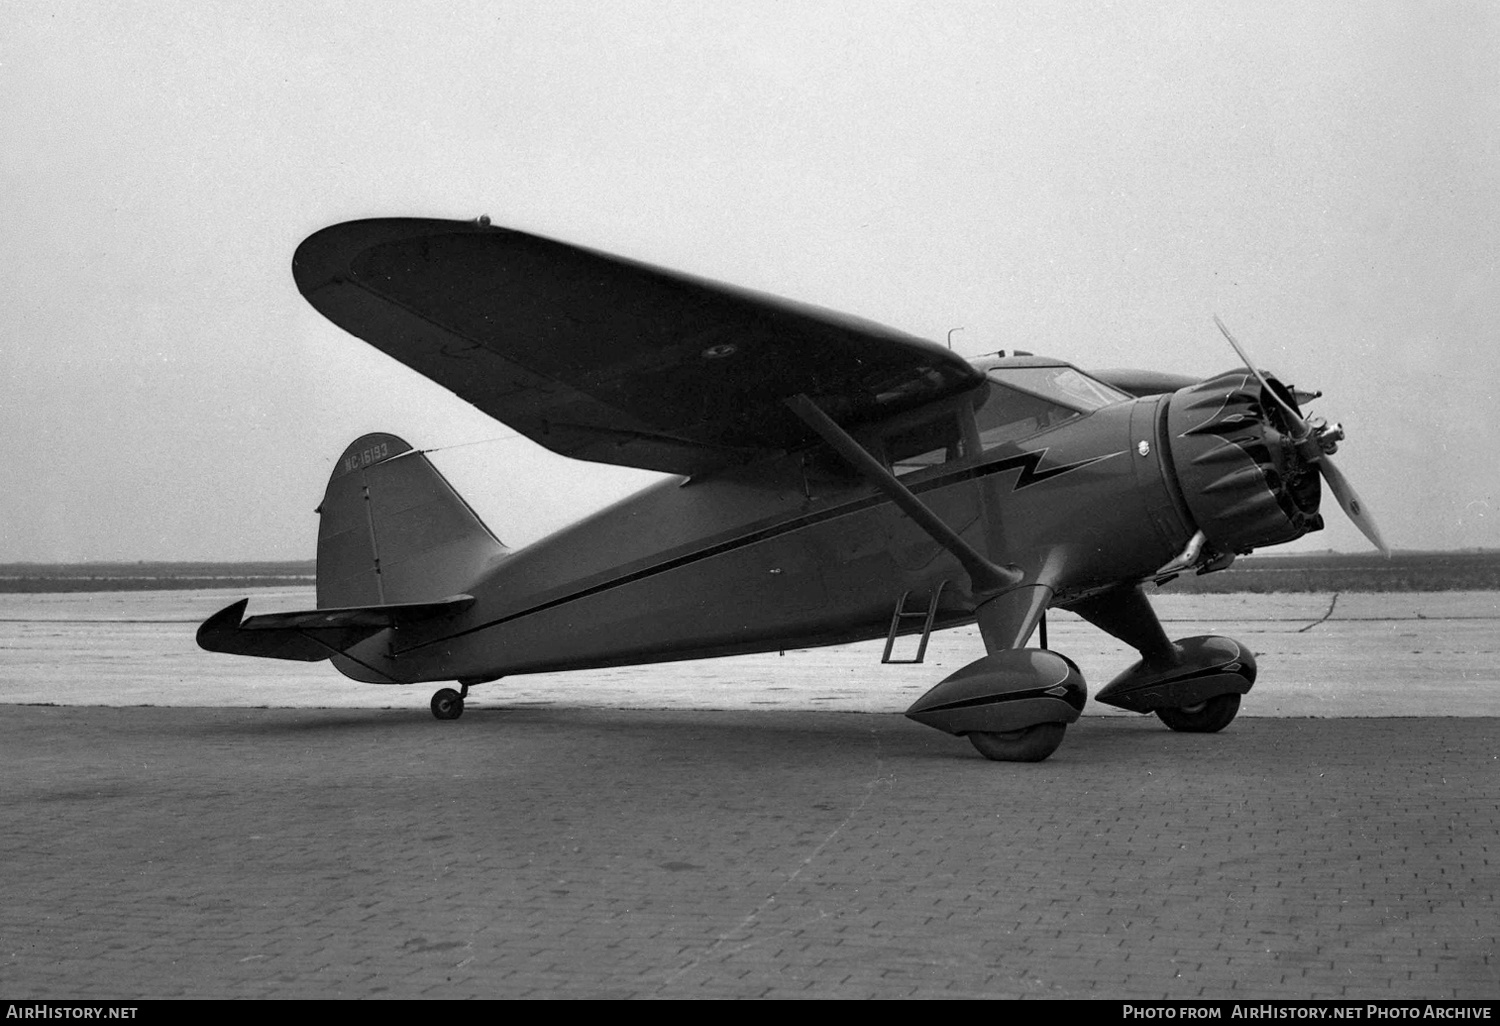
x=1008 y=416
x=1026 y=400
x=925 y=445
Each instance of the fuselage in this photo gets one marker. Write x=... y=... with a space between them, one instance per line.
x=1042 y=468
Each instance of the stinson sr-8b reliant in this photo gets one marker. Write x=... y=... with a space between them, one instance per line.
x=833 y=481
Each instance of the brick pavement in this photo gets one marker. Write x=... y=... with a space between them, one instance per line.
x=599 y=853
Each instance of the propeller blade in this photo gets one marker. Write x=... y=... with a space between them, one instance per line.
x=1296 y=418
x=1348 y=499
x=1353 y=505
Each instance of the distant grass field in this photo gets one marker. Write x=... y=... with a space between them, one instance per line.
x=1334 y=571
x=144 y=576
x=1331 y=571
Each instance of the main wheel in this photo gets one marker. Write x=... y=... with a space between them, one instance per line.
x=447 y=704
x=1029 y=744
x=1203 y=718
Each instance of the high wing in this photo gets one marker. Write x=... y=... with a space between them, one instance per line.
x=607 y=359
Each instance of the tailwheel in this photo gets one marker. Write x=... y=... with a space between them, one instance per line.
x=1203 y=718
x=1029 y=744
x=448 y=704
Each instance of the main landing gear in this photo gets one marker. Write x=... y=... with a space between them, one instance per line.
x=1013 y=706
x=448 y=704
x=1015 y=703
x=1193 y=685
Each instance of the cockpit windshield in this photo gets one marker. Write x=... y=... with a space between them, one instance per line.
x=1026 y=400
x=1064 y=385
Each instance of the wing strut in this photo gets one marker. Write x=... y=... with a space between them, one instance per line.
x=989 y=579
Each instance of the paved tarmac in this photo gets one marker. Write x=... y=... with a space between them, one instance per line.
x=577 y=850
x=602 y=853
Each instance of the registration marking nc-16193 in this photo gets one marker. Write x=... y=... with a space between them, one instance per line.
x=365 y=457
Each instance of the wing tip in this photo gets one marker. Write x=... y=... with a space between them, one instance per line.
x=325 y=255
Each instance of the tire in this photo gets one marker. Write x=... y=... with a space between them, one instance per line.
x=1030 y=744
x=447 y=704
x=1205 y=717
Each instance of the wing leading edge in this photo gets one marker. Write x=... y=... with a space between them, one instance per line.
x=606 y=359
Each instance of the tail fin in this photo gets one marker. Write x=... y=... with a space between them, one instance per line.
x=393 y=530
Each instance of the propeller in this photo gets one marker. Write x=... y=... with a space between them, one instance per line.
x=1319 y=452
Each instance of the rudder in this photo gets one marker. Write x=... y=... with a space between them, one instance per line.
x=392 y=529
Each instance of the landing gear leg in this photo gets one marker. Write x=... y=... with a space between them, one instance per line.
x=448 y=704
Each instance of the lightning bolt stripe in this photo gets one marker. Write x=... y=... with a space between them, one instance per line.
x=1029 y=462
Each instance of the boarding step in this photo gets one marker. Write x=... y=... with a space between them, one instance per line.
x=902 y=614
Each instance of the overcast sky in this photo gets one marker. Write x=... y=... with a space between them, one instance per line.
x=1089 y=181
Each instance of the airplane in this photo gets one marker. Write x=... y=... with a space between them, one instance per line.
x=832 y=481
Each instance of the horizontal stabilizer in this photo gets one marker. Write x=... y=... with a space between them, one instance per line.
x=314 y=634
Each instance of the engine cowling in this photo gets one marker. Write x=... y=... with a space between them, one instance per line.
x=1240 y=471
